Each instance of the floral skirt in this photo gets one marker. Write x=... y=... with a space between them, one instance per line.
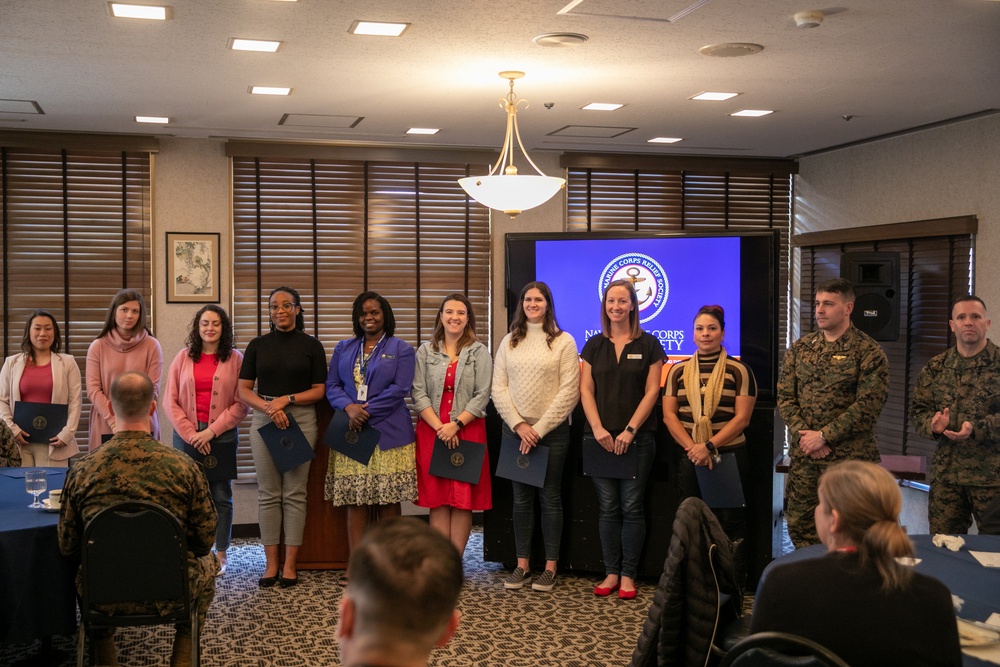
x=389 y=477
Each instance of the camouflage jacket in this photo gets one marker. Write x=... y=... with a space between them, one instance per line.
x=134 y=466
x=838 y=388
x=970 y=389
x=10 y=454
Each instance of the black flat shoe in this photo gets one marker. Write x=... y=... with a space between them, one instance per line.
x=288 y=583
x=267 y=582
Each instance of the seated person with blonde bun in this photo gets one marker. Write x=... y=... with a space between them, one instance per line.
x=857 y=600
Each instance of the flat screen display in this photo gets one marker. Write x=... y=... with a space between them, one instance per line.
x=674 y=276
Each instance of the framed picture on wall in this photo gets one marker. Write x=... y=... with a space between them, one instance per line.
x=193 y=267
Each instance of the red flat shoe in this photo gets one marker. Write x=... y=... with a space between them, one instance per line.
x=626 y=595
x=603 y=592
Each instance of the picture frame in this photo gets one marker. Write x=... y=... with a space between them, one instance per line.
x=193 y=271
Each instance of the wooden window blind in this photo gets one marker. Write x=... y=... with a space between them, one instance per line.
x=76 y=228
x=332 y=228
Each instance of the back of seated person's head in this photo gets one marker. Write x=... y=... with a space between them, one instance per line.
x=866 y=501
x=405 y=579
x=131 y=396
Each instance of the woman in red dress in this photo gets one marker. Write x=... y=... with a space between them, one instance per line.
x=451 y=387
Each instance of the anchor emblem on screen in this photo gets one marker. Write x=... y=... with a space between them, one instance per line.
x=647 y=277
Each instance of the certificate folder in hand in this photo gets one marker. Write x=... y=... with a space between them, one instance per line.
x=357 y=445
x=599 y=462
x=463 y=463
x=525 y=468
x=288 y=447
x=721 y=486
x=218 y=464
x=42 y=421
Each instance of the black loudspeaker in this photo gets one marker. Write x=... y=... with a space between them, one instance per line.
x=875 y=276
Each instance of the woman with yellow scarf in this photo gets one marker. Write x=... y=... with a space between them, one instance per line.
x=707 y=402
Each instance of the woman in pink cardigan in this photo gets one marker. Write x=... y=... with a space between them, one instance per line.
x=202 y=404
x=42 y=374
x=124 y=344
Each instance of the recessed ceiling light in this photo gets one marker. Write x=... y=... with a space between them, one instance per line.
x=752 y=113
x=664 y=140
x=269 y=90
x=152 y=12
x=602 y=106
x=715 y=97
x=423 y=130
x=263 y=45
x=158 y=120
x=377 y=28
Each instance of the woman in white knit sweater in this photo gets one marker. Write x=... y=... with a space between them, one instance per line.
x=536 y=385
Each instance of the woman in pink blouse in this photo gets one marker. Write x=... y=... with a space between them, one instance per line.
x=202 y=404
x=41 y=374
x=124 y=344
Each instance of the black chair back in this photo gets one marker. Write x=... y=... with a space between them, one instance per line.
x=133 y=552
x=780 y=649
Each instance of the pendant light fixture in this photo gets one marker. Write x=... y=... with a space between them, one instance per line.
x=503 y=188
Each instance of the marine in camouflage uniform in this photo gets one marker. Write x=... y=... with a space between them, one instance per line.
x=133 y=466
x=961 y=387
x=10 y=454
x=837 y=388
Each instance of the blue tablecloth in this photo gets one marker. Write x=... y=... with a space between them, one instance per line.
x=39 y=594
x=978 y=586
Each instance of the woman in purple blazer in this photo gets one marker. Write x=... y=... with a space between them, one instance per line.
x=370 y=377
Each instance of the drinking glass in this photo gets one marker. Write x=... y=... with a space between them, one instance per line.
x=34 y=482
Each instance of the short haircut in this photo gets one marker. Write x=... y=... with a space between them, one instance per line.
x=405 y=580
x=967 y=297
x=388 y=319
x=838 y=286
x=131 y=395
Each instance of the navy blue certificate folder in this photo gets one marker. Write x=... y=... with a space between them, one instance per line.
x=218 y=464
x=358 y=445
x=288 y=447
x=599 y=462
x=721 y=486
x=525 y=468
x=42 y=421
x=464 y=463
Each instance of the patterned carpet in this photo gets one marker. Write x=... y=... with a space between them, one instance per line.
x=249 y=626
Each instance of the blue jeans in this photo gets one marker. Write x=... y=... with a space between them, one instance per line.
x=221 y=490
x=622 y=523
x=550 y=496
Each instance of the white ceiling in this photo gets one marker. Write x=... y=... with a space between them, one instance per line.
x=888 y=65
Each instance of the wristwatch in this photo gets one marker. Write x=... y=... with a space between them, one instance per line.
x=630 y=429
x=291 y=399
x=713 y=452
x=459 y=422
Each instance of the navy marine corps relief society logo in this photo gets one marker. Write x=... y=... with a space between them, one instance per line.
x=646 y=275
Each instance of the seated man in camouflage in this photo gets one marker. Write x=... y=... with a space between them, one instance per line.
x=10 y=455
x=133 y=466
x=405 y=579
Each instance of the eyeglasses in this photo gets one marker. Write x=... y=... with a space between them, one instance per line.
x=285 y=307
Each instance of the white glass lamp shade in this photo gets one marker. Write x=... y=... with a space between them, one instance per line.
x=512 y=193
